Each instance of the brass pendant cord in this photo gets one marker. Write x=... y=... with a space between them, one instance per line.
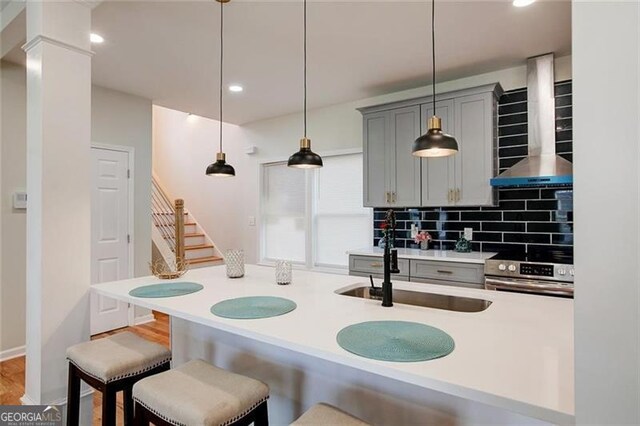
x=433 y=52
x=305 y=66
x=221 y=64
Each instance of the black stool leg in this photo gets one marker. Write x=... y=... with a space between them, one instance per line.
x=262 y=415
x=139 y=416
x=73 y=397
x=127 y=396
x=108 y=407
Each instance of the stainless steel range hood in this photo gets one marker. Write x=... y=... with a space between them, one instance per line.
x=542 y=166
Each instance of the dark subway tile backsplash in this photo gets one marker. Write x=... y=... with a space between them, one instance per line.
x=524 y=219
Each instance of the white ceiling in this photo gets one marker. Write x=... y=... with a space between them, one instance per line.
x=167 y=51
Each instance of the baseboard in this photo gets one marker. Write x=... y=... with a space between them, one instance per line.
x=143 y=319
x=8 y=354
x=26 y=399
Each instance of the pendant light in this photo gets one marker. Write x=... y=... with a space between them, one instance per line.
x=434 y=143
x=305 y=158
x=220 y=168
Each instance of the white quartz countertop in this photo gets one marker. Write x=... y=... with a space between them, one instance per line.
x=442 y=255
x=516 y=355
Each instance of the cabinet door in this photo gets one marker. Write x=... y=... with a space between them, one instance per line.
x=438 y=176
x=376 y=134
x=474 y=131
x=404 y=166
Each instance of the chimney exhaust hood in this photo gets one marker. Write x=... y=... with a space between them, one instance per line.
x=542 y=166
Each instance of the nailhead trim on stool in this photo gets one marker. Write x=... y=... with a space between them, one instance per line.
x=111 y=365
x=200 y=394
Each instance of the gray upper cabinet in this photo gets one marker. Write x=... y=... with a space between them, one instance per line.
x=375 y=132
x=393 y=177
x=438 y=174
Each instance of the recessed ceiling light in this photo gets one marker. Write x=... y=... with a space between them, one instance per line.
x=96 y=38
x=522 y=3
x=235 y=88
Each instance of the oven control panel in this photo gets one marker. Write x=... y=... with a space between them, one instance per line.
x=536 y=270
x=529 y=270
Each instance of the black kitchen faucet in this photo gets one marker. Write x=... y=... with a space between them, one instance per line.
x=390 y=258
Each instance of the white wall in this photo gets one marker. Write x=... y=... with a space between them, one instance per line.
x=13 y=155
x=117 y=118
x=121 y=119
x=182 y=148
x=606 y=154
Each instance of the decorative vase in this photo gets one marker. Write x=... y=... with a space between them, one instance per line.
x=424 y=245
x=283 y=272
x=234 y=259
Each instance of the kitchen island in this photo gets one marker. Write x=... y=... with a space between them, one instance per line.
x=512 y=363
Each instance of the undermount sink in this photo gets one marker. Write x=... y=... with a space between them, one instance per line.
x=418 y=298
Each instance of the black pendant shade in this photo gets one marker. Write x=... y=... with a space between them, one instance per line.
x=305 y=158
x=435 y=143
x=220 y=168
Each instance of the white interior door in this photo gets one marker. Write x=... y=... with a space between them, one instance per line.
x=109 y=234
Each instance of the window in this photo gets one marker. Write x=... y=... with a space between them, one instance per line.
x=313 y=217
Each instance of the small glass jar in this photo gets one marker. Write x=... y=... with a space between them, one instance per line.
x=283 y=272
x=234 y=259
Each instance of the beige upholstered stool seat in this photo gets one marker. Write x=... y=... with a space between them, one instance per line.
x=199 y=394
x=116 y=357
x=324 y=414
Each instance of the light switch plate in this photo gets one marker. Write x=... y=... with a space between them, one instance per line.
x=252 y=221
x=468 y=233
x=414 y=230
x=20 y=200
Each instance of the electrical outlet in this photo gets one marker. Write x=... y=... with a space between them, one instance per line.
x=468 y=233
x=414 y=230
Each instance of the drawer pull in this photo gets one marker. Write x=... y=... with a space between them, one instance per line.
x=376 y=265
x=443 y=271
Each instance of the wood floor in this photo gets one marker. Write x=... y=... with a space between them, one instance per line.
x=12 y=371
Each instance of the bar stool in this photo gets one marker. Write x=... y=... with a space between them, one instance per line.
x=324 y=414
x=110 y=365
x=199 y=394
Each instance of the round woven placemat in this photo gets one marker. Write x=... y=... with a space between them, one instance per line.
x=398 y=341
x=253 y=307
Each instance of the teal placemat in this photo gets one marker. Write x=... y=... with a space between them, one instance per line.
x=253 y=307
x=172 y=289
x=398 y=341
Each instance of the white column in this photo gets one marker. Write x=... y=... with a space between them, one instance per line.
x=606 y=113
x=58 y=217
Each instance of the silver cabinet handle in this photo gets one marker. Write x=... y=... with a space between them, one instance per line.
x=393 y=197
x=457 y=194
x=376 y=265
x=386 y=196
x=443 y=271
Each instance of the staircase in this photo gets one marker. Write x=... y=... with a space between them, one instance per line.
x=199 y=250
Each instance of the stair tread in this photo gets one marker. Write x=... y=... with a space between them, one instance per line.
x=199 y=246
x=204 y=259
x=190 y=235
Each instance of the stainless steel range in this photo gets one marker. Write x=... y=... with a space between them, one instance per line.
x=548 y=274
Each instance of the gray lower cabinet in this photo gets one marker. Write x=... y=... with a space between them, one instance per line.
x=467 y=274
x=374 y=265
x=393 y=177
x=421 y=271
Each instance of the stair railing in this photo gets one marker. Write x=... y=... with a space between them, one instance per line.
x=168 y=217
